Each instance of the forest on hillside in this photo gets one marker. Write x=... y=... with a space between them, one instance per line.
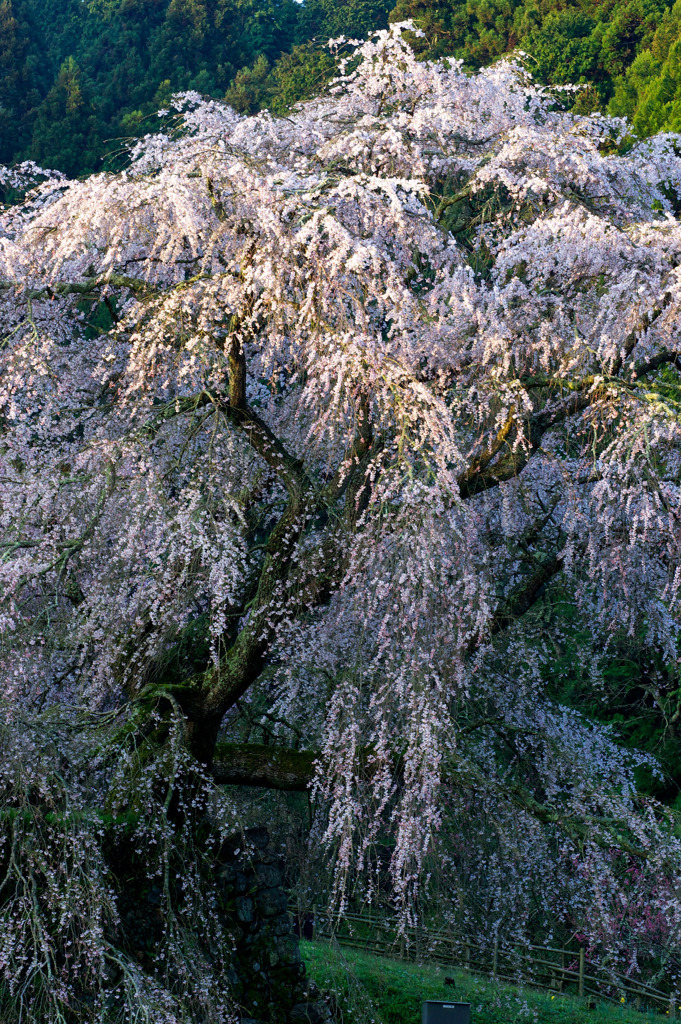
x=76 y=78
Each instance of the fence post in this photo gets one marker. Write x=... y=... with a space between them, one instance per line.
x=495 y=961
x=672 y=1006
x=581 y=971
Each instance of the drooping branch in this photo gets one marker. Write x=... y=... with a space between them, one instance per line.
x=284 y=769
x=603 y=832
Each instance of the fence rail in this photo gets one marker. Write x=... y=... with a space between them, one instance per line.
x=543 y=967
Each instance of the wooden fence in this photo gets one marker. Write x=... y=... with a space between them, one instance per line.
x=544 y=967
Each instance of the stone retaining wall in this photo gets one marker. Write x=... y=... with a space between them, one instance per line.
x=269 y=979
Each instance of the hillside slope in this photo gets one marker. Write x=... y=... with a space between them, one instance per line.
x=76 y=77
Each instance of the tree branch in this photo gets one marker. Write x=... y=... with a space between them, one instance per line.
x=481 y=476
x=269 y=448
x=522 y=599
x=252 y=764
x=632 y=337
x=86 y=287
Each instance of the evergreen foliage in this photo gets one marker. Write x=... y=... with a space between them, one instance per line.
x=76 y=78
x=650 y=91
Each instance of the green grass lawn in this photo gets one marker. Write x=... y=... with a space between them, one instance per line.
x=375 y=989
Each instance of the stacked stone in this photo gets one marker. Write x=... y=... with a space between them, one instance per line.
x=269 y=982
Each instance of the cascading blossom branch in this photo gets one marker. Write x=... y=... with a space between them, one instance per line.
x=317 y=412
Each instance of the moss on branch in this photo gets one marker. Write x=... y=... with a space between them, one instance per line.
x=252 y=764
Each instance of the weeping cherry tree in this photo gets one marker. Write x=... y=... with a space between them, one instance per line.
x=318 y=415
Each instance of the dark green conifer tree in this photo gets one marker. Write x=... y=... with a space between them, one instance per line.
x=65 y=133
